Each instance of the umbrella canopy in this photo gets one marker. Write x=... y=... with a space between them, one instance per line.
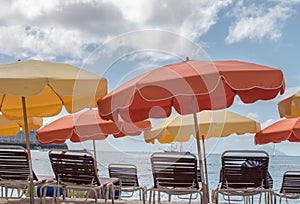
x=12 y=127
x=87 y=125
x=214 y=85
x=290 y=107
x=287 y=129
x=36 y=88
x=220 y=123
x=47 y=86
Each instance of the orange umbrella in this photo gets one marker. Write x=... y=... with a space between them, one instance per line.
x=86 y=125
x=191 y=86
x=214 y=85
x=287 y=129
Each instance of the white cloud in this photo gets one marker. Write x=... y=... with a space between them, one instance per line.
x=71 y=29
x=253 y=115
x=53 y=29
x=24 y=41
x=267 y=122
x=34 y=8
x=257 y=22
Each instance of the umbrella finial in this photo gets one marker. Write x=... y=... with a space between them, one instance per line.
x=187 y=58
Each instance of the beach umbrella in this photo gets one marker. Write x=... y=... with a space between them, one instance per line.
x=87 y=125
x=290 y=107
x=189 y=87
x=36 y=88
x=283 y=130
x=217 y=123
x=13 y=127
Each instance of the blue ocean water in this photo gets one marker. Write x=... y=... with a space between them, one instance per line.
x=277 y=165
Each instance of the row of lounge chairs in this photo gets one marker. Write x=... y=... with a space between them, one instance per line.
x=243 y=175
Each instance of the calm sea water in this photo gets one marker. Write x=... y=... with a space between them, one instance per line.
x=277 y=166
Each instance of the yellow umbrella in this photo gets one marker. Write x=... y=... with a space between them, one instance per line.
x=47 y=87
x=290 y=107
x=12 y=127
x=36 y=88
x=219 y=123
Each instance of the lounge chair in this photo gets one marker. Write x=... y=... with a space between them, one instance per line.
x=244 y=174
x=76 y=170
x=127 y=173
x=290 y=187
x=174 y=173
x=15 y=172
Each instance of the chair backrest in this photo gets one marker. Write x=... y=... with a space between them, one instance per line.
x=14 y=163
x=174 y=169
x=74 y=166
x=244 y=169
x=291 y=182
x=127 y=173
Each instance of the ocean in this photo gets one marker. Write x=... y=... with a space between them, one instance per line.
x=277 y=165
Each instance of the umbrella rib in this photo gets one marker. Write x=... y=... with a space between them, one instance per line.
x=2 y=101
x=62 y=102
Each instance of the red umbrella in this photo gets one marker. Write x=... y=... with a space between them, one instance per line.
x=287 y=129
x=191 y=86
x=213 y=84
x=87 y=125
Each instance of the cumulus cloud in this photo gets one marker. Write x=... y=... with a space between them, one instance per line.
x=71 y=30
x=267 y=122
x=253 y=115
x=257 y=22
x=55 y=29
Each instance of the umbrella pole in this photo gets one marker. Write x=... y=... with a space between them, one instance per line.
x=28 y=149
x=205 y=190
x=205 y=164
x=94 y=146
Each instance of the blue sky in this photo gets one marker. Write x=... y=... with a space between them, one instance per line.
x=120 y=39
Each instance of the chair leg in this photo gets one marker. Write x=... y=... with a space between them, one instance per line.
x=280 y=200
x=190 y=200
x=96 y=195
x=143 y=195
x=152 y=193
x=150 y=196
x=41 y=195
x=140 y=195
x=260 y=198
x=216 y=197
x=158 y=197
x=287 y=201
x=112 y=194
x=200 y=198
